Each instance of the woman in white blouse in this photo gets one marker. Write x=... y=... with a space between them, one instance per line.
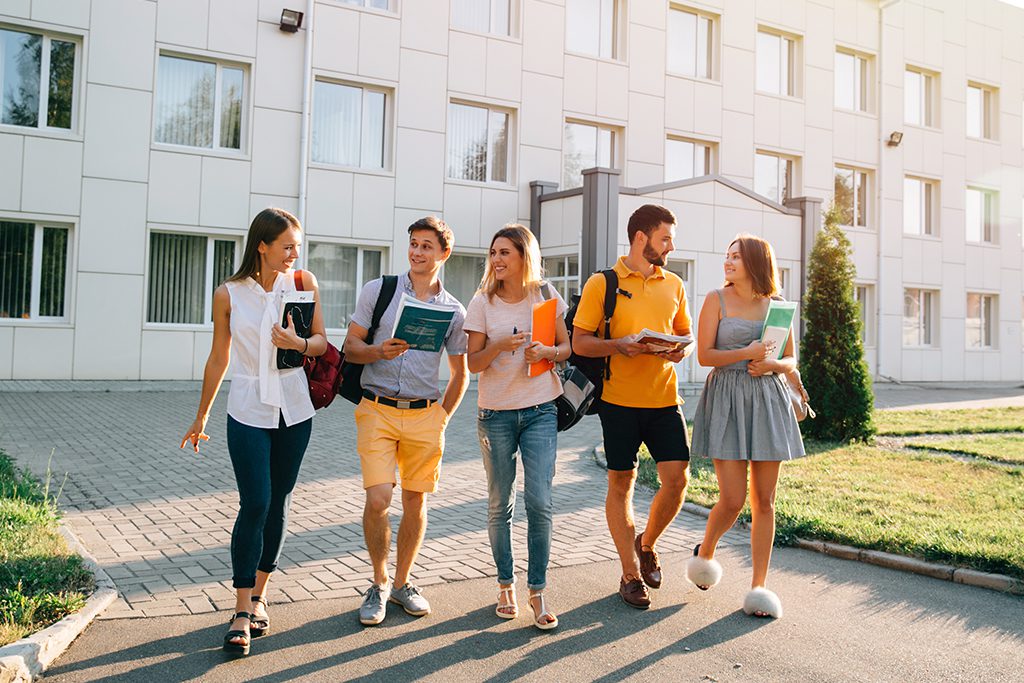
x=269 y=410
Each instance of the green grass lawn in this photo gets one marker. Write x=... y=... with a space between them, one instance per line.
x=41 y=581
x=966 y=421
x=962 y=513
x=1005 y=448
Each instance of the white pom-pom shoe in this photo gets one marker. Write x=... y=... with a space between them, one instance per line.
x=703 y=573
x=761 y=602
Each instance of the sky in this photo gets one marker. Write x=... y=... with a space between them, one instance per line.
x=1015 y=3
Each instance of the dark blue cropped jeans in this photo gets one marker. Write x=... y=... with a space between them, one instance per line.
x=266 y=464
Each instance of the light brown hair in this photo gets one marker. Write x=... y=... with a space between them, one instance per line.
x=526 y=244
x=266 y=227
x=759 y=262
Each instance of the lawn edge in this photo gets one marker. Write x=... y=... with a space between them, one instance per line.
x=28 y=658
x=903 y=563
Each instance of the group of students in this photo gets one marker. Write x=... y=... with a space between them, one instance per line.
x=744 y=415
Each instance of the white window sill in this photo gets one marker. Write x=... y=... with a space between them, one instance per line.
x=324 y=166
x=62 y=324
x=855 y=112
x=49 y=133
x=201 y=151
x=695 y=79
x=607 y=60
x=984 y=245
x=177 y=327
x=369 y=10
x=923 y=238
x=857 y=228
x=990 y=141
x=505 y=38
x=933 y=347
x=923 y=127
x=508 y=187
x=984 y=349
x=778 y=96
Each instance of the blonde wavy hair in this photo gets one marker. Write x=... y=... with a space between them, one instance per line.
x=528 y=248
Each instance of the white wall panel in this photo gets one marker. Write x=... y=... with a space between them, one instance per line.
x=379 y=46
x=373 y=200
x=543 y=37
x=277 y=83
x=51 y=180
x=467 y=63
x=275 y=156
x=42 y=353
x=329 y=203
x=504 y=69
x=183 y=22
x=112 y=231
x=64 y=12
x=99 y=354
x=118 y=131
x=419 y=173
x=11 y=147
x=336 y=39
x=6 y=351
x=233 y=27
x=174 y=182
x=121 y=49
x=224 y=194
x=167 y=354
x=422 y=95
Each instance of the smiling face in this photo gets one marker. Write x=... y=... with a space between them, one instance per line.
x=734 y=269
x=282 y=253
x=425 y=252
x=659 y=244
x=506 y=261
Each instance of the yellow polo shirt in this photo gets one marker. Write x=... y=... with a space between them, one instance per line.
x=657 y=303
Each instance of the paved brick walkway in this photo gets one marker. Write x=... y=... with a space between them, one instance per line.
x=158 y=519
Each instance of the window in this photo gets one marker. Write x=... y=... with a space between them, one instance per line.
x=864 y=296
x=919 y=98
x=784 y=282
x=183 y=272
x=773 y=176
x=980 y=216
x=851 y=196
x=37 y=80
x=482 y=16
x=981 y=109
x=586 y=146
x=590 y=27
x=563 y=272
x=776 y=64
x=851 y=80
x=462 y=274
x=341 y=271
x=980 y=321
x=686 y=159
x=919 y=317
x=478 y=143
x=348 y=125
x=33 y=271
x=199 y=103
x=919 y=206
x=690 y=40
x=375 y=4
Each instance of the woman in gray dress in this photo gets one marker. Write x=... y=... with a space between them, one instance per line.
x=744 y=418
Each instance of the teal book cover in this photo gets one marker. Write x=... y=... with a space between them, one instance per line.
x=422 y=325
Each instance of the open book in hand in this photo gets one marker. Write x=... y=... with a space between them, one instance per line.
x=300 y=305
x=422 y=325
x=662 y=342
x=777 y=325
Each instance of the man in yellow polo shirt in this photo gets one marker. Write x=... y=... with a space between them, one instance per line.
x=640 y=400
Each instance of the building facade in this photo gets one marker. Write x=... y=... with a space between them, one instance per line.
x=138 y=138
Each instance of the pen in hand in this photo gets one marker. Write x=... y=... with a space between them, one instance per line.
x=515 y=331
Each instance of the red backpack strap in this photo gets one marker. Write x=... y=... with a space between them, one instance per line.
x=298 y=280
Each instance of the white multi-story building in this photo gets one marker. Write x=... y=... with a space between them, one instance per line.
x=138 y=138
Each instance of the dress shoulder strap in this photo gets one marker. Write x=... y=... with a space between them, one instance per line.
x=721 y=301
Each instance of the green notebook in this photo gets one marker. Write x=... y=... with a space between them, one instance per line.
x=777 y=324
x=422 y=325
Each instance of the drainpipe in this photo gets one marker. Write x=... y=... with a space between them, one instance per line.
x=878 y=194
x=307 y=89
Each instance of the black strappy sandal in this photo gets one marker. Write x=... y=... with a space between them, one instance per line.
x=237 y=648
x=259 y=626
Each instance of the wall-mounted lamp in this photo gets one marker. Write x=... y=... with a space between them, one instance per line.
x=291 y=20
x=895 y=138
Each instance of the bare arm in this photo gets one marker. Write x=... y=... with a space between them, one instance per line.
x=358 y=351
x=216 y=367
x=783 y=365
x=707 y=334
x=587 y=343
x=480 y=354
x=561 y=350
x=458 y=381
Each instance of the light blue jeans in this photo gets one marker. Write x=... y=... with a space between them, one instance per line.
x=532 y=432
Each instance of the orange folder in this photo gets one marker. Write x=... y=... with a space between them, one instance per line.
x=543 y=332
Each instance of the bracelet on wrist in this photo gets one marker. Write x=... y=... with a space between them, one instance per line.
x=305 y=346
x=556 y=355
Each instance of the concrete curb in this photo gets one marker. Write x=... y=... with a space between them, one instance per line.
x=28 y=658
x=913 y=565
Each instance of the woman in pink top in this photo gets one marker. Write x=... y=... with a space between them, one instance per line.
x=517 y=412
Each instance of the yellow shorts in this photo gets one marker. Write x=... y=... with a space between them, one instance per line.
x=410 y=439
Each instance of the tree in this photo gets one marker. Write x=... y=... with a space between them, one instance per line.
x=831 y=351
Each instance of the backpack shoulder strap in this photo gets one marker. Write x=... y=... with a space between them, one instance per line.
x=611 y=286
x=388 y=285
x=298 y=280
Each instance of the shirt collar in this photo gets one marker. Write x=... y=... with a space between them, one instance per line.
x=406 y=282
x=625 y=271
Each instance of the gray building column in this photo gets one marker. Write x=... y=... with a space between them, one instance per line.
x=810 y=223
x=598 y=241
x=538 y=188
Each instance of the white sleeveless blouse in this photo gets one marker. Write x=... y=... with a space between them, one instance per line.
x=260 y=393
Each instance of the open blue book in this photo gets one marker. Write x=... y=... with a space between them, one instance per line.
x=777 y=324
x=423 y=326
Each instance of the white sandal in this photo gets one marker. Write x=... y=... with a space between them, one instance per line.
x=544 y=612
x=510 y=596
x=761 y=602
x=704 y=574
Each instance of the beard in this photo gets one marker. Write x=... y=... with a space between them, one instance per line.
x=653 y=257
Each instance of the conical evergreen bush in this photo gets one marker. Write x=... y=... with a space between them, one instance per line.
x=831 y=351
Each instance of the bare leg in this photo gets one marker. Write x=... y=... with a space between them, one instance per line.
x=259 y=609
x=618 y=509
x=243 y=603
x=764 y=476
x=732 y=493
x=377 y=530
x=410 y=533
x=667 y=501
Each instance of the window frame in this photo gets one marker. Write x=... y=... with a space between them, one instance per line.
x=927 y=318
x=387 y=156
x=861 y=178
x=712 y=43
x=928 y=206
x=613 y=146
x=789 y=72
x=615 y=43
x=35 y=278
x=510 y=144
x=785 y=174
x=988 y=322
x=989 y=216
x=77 y=84
x=989 y=113
x=245 y=121
x=211 y=239
x=513 y=20
x=710 y=149
x=570 y=281
x=363 y=5
x=928 y=99
x=862 y=74
x=867 y=303
x=468 y=254
x=360 y=281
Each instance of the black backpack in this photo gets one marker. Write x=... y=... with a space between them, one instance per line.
x=597 y=370
x=352 y=373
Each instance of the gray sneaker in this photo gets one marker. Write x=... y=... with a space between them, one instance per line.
x=409 y=597
x=374 y=607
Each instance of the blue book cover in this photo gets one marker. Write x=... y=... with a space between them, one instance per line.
x=422 y=325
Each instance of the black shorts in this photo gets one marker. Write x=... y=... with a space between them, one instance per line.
x=662 y=429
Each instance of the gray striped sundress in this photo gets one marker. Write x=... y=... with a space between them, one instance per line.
x=740 y=417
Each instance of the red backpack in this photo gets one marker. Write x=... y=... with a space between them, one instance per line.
x=323 y=372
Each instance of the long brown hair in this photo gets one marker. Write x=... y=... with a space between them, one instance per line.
x=759 y=261
x=266 y=227
x=526 y=244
